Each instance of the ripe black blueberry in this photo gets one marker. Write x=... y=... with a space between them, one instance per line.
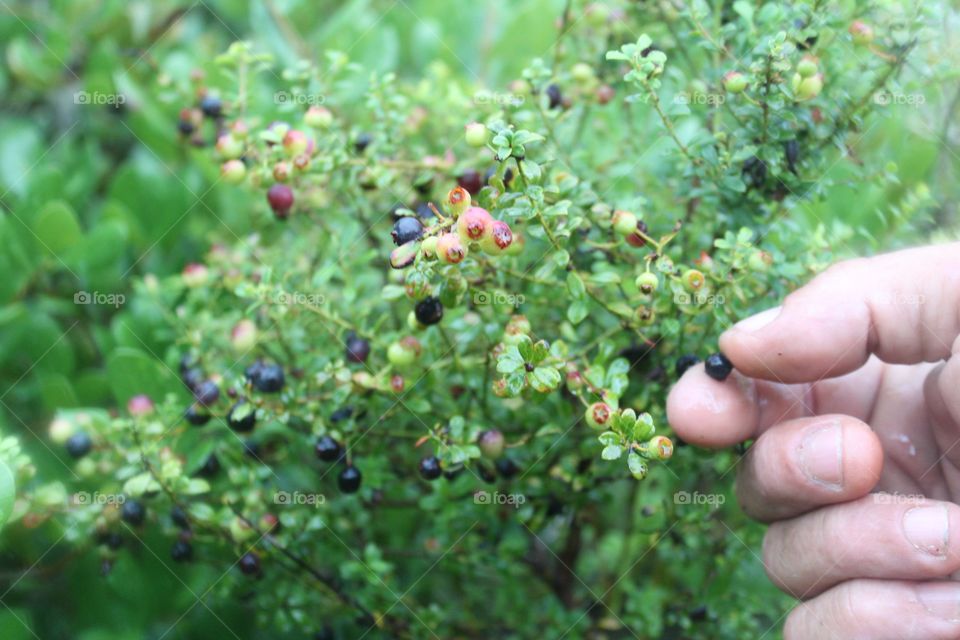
x=133 y=512
x=349 y=479
x=207 y=392
x=327 y=449
x=430 y=468
x=196 y=416
x=242 y=417
x=357 y=348
x=250 y=563
x=684 y=362
x=280 y=198
x=192 y=377
x=486 y=474
x=210 y=468
x=554 y=96
x=362 y=142
x=506 y=467
x=754 y=171
x=429 y=311
x=718 y=367
x=405 y=230
x=181 y=551
x=79 y=444
x=111 y=540
x=471 y=180
x=507 y=176
x=185 y=127
x=269 y=378
x=343 y=413
x=791 y=152
x=179 y=517
x=211 y=106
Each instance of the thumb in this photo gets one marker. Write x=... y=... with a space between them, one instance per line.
x=904 y=307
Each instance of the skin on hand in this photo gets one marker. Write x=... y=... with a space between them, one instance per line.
x=852 y=391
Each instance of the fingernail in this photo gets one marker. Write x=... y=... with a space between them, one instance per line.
x=821 y=455
x=758 y=321
x=928 y=529
x=941 y=600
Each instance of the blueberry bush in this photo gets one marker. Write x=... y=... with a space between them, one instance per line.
x=396 y=335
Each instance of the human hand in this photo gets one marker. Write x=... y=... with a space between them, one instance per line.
x=849 y=388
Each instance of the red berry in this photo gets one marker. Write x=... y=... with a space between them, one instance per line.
x=474 y=223
x=280 y=197
x=471 y=180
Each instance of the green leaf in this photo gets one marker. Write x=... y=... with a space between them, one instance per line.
x=638 y=468
x=612 y=452
x=57 y=228
x=609 y=438
x=8 y=491
x=545 y=378
x=131 y=372
x=575 y=286
x=577 y=311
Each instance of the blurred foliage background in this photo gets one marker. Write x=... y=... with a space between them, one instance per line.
x=97 y=197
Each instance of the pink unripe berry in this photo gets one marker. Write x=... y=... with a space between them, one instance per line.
x=497 y=238
x=318 y=117
x=450 y=248
x=295 y=142
x=598 y=415
x=474 y=223
x=734 y=82
x=233 y=171
x=195 y=275
x=139 y=405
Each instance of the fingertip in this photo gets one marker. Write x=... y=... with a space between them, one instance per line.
x=708 y=413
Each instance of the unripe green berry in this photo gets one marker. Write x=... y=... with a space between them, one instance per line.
x=734 y=82
x=807 y=88
x=229 y=147
x=582 y=72
x=429 y=247
x=476 y=134
x=759 y=261
x=491 y=443
x=403 y=353
x=660 y=447
x=862 y=32
x=647 y=282
x=598 y=415
x=233 y=171
x=624 y=222
x=693 y=280
x=807 y=67
x=458 y=200
x=318 y=117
